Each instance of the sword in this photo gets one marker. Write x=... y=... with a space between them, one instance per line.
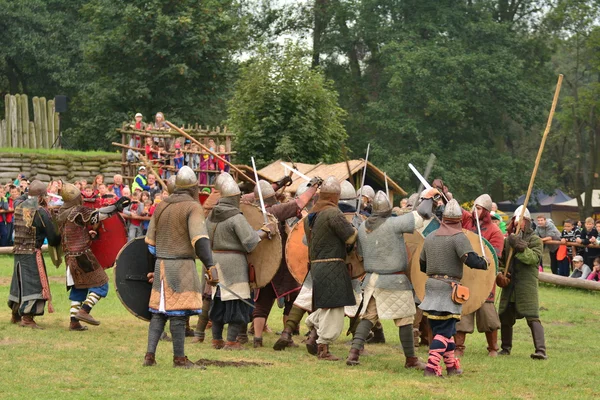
x=423 y=181
x=260 y=196
x=427 y=170
x=479 y=232
x=387 y=189
x=235 y=294
x=364 y=175
x=294 y=170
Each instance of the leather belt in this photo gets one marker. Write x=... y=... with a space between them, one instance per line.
x=399 y=273
x=324 y=260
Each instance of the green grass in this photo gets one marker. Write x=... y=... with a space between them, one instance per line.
x=105 y=362
x=57 y=152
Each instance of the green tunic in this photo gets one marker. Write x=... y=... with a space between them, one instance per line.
x=523 y=287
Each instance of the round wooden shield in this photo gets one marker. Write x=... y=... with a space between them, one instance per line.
x=357 y=268
x=296 y=252
x=266 y=258
x=479 y=282
x=112 y=236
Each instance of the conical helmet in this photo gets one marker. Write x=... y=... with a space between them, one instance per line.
x=367 y=191
x=69 y=192
x=331 y=185
x=171 y=184
x=266 y=190
x=186 y=178
x=484 y=201
x=228 y=187
x=452 y=210
x=517 y=214
x=347 y=191
x=220 y=179
x=381 y=203
x=37 y=188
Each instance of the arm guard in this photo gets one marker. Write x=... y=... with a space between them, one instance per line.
x=474 y=261
x=203 y=251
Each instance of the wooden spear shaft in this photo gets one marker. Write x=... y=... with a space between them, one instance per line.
x=183 y=133
x=144 y=161
x=535 y=167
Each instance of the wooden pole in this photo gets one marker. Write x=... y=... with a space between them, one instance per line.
x=185 y=134
x=569 y=282
x=25 y=120
x=535 y=168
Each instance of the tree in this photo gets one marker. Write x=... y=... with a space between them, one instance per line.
x=281 y=108
x=158 y=55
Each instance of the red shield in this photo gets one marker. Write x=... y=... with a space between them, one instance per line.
x=112 y=236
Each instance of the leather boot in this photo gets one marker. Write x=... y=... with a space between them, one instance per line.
x=199 y=338
x=218 y=344
x=233 y=346
x=353 y=357
x=242 y=338
x=378 y=335
x=149 y=360
x=258 y=342
x=28 y=322
x=459 y=340
x=184 y=362
x=84 y=316
x=76 y=326
x=311 y=342
x=537 y=331
x=414 y=363
x=433 y=373
x=284 y=340
x=15 y=318
x=506 y=335
x=492 y=340
x=324 y=354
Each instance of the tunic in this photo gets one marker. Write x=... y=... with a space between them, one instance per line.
x=176 y=225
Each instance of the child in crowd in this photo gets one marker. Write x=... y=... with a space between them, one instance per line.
x=89 y=198
x=178 y=159
x=580 y=269
x=148 y=149
x=595 y=275
x=135 y=209
x=569 y=235
x=194 y=159
x=149 y=210
x=589 y=235
x=222 y=166
x=211 y=161
x=6 y=216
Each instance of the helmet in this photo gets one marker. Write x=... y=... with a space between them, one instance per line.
x=381 y=203
x=69 y=192
x=303 y=187
x=452 y=210
x=220 y=179
x=517 y=214
x=228 y=187
x=484 y=201
x=186 y=178
x=265 y=189
x=37 y=188
x=331 y=185
x=347 y=191
x=171 y=184
x=367 y=191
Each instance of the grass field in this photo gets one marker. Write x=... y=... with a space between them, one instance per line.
x=105 y=362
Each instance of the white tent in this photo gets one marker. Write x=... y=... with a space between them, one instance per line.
x=573 y=202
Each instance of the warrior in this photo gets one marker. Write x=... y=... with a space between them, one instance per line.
x=328 y=234
x=283 y=283
x=444 y=253
x=388 y=293
x=232 y=238
x=86 y=279
x=519 y=298
x=29 y=289
x=176 y=235
x=365 y=196
x=487 y=317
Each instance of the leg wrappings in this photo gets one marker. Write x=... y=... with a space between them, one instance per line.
x=177 y=327
x=155 y=331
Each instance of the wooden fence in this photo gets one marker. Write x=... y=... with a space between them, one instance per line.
x=17 y=130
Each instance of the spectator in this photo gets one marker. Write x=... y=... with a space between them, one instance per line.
x=597 y=229
x=154 y=186
x=126 y=192
x=118 y=185
x=589 y=235
x=159 y=123
x=140 y=182
x=89 y=198
x=178 y=159
x=211 y=161
x=24 y=186
x=222 y=166
x=105 y=198
x=580 y=270
x=595 y=275
x=138 y=124
x=148 y=211
x=403 y=202
x=8 y=215
x=134 y=210
x=569 y=234
x=164 y=195
x=547 y=231
x=83 y=184
x=5 y=218
x=98 y=180
x=20 y=177
x=193 y=158
x=149 y=149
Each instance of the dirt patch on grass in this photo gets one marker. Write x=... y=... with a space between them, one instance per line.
x=562 y=323
x=237 y=364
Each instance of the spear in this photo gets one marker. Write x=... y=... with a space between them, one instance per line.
x=260 y=196
x=364 y=175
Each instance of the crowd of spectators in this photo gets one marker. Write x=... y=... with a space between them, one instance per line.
x=170 y=154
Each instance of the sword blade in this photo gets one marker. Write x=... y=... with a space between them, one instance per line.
x=364 y=176
x=387 y=189
x=260 y=196
x=419 y=176
x=479 y=232
x=294 y=170
x=235 y=294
